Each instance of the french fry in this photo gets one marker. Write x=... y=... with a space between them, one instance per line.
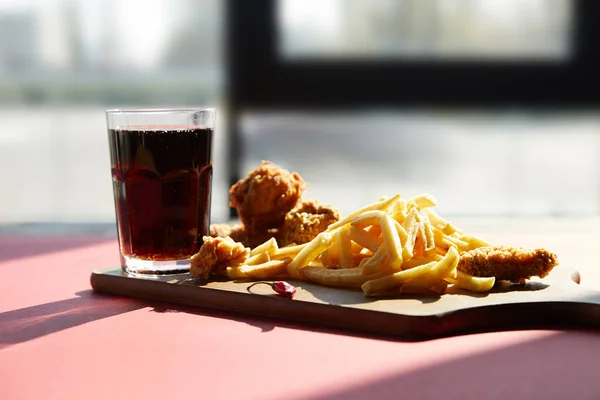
x=419 y=248
x=380 y=205
x=399 y=207
x=386 y=283
x=423 y=201
x=315 y=247
x=473 y=242
x=472 y=283
x=391 y=240
x=358 y=258
x=399 y=216
x=316 y=263
x=401 y=232
x=270 y=246
x=398 y=245
x=429 y=237
x=364 y=238
x=367 y=218
x=326 y=259
x=355 y=248
x=374 y=230
x=333 y=252
x=429 y=274
x=411 y=225
x=416 y=261
x=258 y=259
x=440 y=223
x=432 y=281
x=373 y=264
x=288 y=251
x=267 y=270
x=349 y=277
x=444 y=241
x=345 y=247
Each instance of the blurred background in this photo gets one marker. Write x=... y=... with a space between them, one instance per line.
x=63 y=62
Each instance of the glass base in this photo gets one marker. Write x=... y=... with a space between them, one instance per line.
x=135 y=266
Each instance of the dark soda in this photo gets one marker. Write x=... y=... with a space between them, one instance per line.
x=162 y=185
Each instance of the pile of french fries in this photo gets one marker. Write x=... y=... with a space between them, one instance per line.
x=392 y=246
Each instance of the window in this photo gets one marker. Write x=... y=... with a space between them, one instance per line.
x=63 y=62
x=425 y=29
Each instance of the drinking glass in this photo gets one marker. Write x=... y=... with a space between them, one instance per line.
x=161 y=163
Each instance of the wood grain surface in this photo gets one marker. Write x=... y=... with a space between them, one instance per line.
x=557 y=300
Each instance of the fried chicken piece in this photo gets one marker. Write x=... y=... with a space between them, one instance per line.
x=507 y=263
x=261 y=237
x=306 y=221
x=237 y=232
x=215 y=255
x=265 y=196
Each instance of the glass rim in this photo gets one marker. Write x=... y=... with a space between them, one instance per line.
x=159 y=110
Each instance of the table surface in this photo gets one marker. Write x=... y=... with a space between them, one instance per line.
x=60 y=340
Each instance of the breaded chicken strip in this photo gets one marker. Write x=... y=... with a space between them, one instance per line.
x=507 y=263
x=215 y=255
x=265 y=196
x=306 y=221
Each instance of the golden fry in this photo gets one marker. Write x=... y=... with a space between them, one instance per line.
x=421 y=260
x=401 y=232
x=399 y=246
x=258 y=259
x=355 y=248
x=429 y=274
x=349 y=277
x=473 y=242
x=288 y=251
x=423 y=201
x=380 y=205
x=345 y=248
x=411 y=225
x=374 y=230
x=367 y=218
x=419 y=248
x=440 y=223
x=270 y=246
x=429 y=237
x=310 y=252
x=444 y=241
x=374 y=264
x=364 y=238
x=472 y=283
x=391 y=240
x=386 y=283
x=399 y=208
x=432 y=281
x=266 y=270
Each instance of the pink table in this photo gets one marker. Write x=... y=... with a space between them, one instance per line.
x=59 y=340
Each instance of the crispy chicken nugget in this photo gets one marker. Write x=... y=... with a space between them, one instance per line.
x=306 y=221
x=215 y=255
x=265 y=196
x=507 y=263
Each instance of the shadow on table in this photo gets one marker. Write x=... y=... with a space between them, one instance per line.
x=32 y=322
x=13 y=247
x=267 y=324
x=559 y=365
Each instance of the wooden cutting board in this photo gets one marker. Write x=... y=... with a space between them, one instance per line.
x=557 y=300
